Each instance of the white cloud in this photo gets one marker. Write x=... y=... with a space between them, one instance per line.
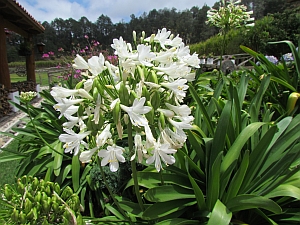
x=117 y=10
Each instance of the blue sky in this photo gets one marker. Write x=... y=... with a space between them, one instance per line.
x=117 y=10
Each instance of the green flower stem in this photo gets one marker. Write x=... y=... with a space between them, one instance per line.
x=133 y=167
x=40 y=136
x=111 y=193
x=223 y=50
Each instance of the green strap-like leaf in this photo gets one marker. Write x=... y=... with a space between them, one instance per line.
x=285 y=190
x=234 y=152
x=244 y=202
x=75 y=172
x=177 y=221
x=161 y=209
x=220 y=215
x=167 y=193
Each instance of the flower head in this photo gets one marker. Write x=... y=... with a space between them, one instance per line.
x=136 y=112
x=112 y=155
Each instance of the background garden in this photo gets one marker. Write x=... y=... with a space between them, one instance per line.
x=226 y=146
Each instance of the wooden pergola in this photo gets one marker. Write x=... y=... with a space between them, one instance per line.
x=14 y=17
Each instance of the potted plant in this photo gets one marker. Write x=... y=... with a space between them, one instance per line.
x=210 y=59
x=202 y=59
x=25 y=49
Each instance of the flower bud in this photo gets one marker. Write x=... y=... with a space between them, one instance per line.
x=24 y=179
x=79 y=85
x=145 y=93
x=123 y=94
x=67 y=192
x=27 y=205
x=140 y=71
x=155 y=100
x=95 y=94
x=45 y=206
x=56 y=188
x=35 y=183
x=134 y=36
x=116 y=112
x=162 y=120
x=7 y=192
x=22 y=218
x=150 y=115
x=38 y=197
x=152 y=77
x=15 y=215
x=30 y=215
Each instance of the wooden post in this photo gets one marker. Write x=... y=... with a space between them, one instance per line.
x=4 y=71
x=30 y=63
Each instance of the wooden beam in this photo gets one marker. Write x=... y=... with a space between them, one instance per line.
x=4 y=71
x=30 y=63
x=14 y=28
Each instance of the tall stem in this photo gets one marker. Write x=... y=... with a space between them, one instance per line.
x=222 y=50
x=133 y=167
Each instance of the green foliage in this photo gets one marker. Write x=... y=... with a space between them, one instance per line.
x=214 y=44
x=38 y=64
x=35 y=201
x=267 y=29
x=238 y=165
x=284 y=78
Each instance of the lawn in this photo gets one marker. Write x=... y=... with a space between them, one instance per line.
x=41 y=77
x=7 y=175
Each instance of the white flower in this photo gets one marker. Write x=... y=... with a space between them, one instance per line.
x=145 y=56
x=175 y=139
x=64 y=104
x=166 y=112
x=97 y=109
x=112 y=155
x=150 y=140
x=80 y=63
x=137 y=111
x=102 y=138
x=160 y=152
x=162 y=37
x=192 y=60
x=175 y=41
x=73 y=120
x=72 y=140
x=178 y=87
x=181 y=110
x=96 y=64
x=184 y=124
x=61 y=92
x=85 y=156
x=138 y=148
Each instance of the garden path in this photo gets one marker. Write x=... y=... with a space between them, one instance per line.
x=14 y=119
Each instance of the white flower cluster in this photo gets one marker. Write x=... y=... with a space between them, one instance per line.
x=141 y=98
x=230 y=15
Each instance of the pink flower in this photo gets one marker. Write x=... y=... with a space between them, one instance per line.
x=85 y=36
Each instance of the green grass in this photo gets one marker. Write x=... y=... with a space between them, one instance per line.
x=8 y=169
x=41 y=78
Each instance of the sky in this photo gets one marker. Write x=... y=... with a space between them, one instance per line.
x=116 y=10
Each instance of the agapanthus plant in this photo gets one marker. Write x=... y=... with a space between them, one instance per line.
x=135 y=107
x=231 y=14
